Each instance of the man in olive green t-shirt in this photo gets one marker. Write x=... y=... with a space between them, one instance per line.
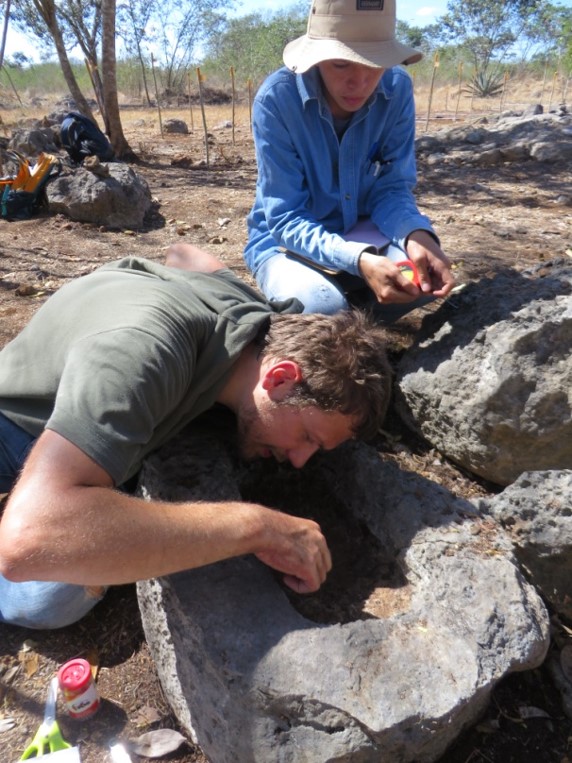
x=115 y=364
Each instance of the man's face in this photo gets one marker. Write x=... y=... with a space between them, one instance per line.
x=347 y=85
x=289 y=432
x=272 y=423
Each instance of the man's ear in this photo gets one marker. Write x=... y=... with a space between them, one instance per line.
x=282 y=373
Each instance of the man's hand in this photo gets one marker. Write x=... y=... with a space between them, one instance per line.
x=432 y=264
x=297 y=548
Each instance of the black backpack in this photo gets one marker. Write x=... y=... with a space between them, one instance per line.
x=81 y=137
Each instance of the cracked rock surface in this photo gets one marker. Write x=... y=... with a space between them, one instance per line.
x=253 y=679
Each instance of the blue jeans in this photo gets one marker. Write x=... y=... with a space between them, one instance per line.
x=35 y=604
x=284 y=275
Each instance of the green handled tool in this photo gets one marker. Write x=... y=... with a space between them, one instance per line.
x=48 y=737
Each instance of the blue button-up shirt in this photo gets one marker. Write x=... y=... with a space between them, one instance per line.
x=312 y=187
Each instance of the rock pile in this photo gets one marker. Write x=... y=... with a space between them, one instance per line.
x=509 y=137
x=110 y=194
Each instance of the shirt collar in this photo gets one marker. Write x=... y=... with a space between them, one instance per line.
x=309 y=86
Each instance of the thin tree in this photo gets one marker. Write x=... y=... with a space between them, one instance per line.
x=253 y=44
x=81 y=22
x=488 y=28
x=133 y=17
x=182 y=27
x=109 y=65
x=47 y=11
x=4 y=32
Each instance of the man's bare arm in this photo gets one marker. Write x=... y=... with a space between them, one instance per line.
x=64 y=521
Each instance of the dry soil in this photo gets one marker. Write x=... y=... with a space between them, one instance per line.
x=488 y=219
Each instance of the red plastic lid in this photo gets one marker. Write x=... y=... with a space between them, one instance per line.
x=75 y=675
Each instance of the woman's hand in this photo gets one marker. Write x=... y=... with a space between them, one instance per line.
x=386 y=280
x=431 y=262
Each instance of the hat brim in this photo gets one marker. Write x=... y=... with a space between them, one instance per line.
x=304 y=52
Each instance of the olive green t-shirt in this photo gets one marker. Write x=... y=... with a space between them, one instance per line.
x=120 y=360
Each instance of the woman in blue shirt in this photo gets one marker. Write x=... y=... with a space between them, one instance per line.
x=334 y=138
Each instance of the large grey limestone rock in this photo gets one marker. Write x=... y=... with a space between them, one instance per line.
x=32 y=141
x=509 y=137
x=118 y=200
x=252 y=679
x=177 y=126
x=489 y=379
x=536 y=513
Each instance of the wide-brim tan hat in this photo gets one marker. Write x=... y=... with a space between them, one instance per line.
x=361 y=31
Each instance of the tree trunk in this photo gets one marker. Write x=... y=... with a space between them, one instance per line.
x=47 y=10
x=117 y=138
x=142 y=64
x=4 y=32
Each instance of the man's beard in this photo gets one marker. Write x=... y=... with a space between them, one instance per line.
x=246 y=423
x=256 y=434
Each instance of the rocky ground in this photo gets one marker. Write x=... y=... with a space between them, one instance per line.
x=489 y=218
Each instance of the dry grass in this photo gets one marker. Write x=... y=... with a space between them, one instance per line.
x=445 y=103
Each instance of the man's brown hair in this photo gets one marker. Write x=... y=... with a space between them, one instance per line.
x=343 y=360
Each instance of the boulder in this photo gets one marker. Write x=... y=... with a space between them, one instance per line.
x=176 y=126
x=117 y=198
x=548 y=151
x=256 y=673
x=488 y=381
x=536 y=513
x=33 y=141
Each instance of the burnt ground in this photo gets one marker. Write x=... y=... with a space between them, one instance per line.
x=488 y=219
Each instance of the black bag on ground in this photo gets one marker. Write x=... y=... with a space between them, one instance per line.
x=81 y=137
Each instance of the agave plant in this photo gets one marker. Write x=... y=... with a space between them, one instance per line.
x=485 y=84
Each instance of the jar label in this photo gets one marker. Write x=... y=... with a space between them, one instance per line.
x=83 y=704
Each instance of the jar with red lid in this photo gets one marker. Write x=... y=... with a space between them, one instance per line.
x=78 y=689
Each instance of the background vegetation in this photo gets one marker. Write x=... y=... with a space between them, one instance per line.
x=155 y=49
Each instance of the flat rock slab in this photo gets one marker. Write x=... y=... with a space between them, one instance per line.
x=251 y=678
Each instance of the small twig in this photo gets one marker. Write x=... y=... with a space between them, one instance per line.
x=202 y=101
x=478 y=752
x=157 y=94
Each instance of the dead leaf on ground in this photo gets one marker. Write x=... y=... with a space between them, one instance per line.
x=532 y=712
x=154 y=744
x=11 y=674
x=146 y=715
x=30 y=663
x=6 y=724
x=92 y=656
x=28 y=658
x=26 y=290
